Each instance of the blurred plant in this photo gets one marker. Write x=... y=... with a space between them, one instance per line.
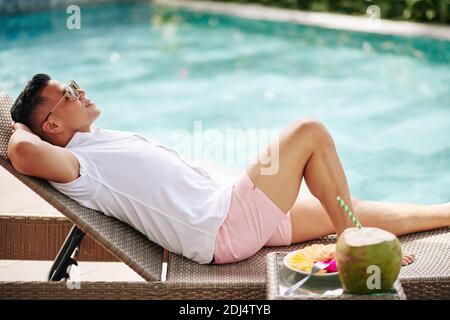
x=161 y=16
x=413 y=10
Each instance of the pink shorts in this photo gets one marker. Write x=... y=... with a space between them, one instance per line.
x=253 y=222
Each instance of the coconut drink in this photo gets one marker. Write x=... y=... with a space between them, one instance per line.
x=368 y=260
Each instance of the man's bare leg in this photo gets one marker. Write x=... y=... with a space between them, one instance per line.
x=306 y=149
x=310 y=220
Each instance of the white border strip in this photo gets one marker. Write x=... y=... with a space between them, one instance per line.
x=326 y=20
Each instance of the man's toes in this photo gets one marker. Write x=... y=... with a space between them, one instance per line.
x=408 y=259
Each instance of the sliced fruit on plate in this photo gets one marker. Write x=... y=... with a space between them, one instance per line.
x=303 y=259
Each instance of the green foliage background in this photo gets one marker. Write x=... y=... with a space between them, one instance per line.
x=436 y=11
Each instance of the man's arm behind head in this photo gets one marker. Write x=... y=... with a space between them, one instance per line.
x=30 y=155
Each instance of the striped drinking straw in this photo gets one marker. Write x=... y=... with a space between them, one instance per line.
x=348 y=211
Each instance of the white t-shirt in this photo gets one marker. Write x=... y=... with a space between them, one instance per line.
x=151 y=187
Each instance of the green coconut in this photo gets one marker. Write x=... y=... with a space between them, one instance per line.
x=368 y=260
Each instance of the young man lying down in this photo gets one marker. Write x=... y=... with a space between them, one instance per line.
x=180 y=206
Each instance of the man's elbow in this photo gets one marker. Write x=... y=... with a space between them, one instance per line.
x=21 y=156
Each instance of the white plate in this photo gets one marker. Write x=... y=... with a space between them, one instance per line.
x=286 y=263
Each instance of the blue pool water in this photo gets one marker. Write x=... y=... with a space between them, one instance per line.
x=152 y=70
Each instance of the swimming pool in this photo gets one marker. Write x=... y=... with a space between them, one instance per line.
x=153 y=70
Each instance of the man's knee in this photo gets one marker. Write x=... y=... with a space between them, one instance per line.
x=314 y=131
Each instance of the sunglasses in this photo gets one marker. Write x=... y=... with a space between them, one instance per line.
x=70 y=92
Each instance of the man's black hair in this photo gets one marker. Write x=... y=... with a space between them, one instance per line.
x=25 y=107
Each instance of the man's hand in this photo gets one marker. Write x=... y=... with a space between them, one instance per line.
x=19 y=126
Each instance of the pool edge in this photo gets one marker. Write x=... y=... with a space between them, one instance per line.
x=318 y=19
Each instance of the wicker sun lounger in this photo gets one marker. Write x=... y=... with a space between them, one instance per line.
x=428 y=277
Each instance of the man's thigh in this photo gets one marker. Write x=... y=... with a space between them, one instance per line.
x=283 y=185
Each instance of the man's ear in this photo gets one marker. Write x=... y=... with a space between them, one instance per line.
x=51 y=127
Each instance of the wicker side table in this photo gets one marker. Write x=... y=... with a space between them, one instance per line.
x=279 y=278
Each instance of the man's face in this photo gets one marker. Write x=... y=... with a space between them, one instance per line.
x=69 y=115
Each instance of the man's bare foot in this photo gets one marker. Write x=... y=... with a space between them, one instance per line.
x=408 y=259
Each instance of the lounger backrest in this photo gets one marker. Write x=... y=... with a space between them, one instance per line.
x=5 y=122
x=129 y=245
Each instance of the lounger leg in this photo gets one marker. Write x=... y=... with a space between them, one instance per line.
x=66 y=255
